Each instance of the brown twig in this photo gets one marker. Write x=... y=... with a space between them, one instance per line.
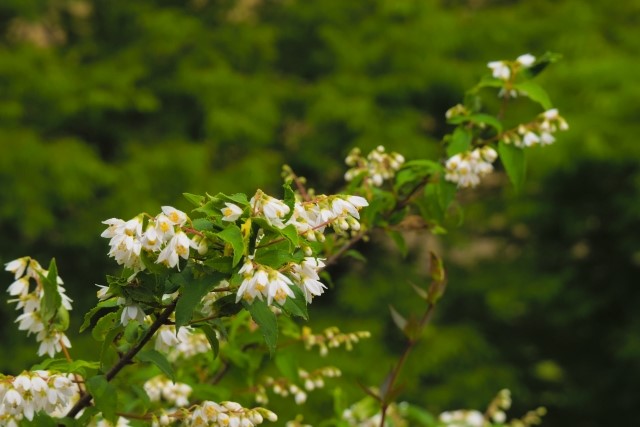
x=125 y=359
x=393 y=376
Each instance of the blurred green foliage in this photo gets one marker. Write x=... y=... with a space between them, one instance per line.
x=110 y=108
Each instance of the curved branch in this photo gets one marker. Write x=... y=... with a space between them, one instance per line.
x=85 y=400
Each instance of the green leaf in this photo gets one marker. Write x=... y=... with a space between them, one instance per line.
x=296 y=306
x=289 y=199
x=275 y=257
x=535 y=92
x=159 y=360
x=104 y=396
x=151 y=264
x=40 y=419
x=194 y=199
x=105 y=324
x=226 y=306
x=105 y=355
x=291 y=234
x=51 y=299
x=63 y=365
x=446 y=191
x=101 y=306
x=460 y=141
x=514 y=161
x=264 y=317
x=233 y=236
x=355 y=255
x=212 y=337
x=203 y=224
x=487 y=120
x=191 y=293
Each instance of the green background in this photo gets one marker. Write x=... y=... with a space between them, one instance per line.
x=110 y=108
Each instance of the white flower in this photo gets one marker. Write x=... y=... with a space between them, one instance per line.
x=177 y=247
x=306 y=275
x=500 y=70
x=151 y=240
x=278 y=287
x=17 y=266
x=176 y=216
x=466 y=169
x=19 y=287
x=526 y=60
x=272 y=209
x=131 y=312
x=231 y=212
x=164 y=227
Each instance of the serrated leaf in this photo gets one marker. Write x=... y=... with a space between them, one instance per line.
x=101 y=306
x=514 y=161
x=460 y=141
x=212 y=337
x=291 y=234
x=296 y=306
x=105 y=355
x=105 y=396
x=158 y=359
x=266 y=320
x=51 y=300
x=289 y=199
x=203 y=224
x=535 y=92
x=63 y=365
x=105 y=324
x=233 y=236
x=191 y=293
x=194 y=199
x=275 y=257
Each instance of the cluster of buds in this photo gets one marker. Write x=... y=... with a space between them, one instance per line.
x=498 y=406
x=331 y=338
x=377 y=167
x=23 y=396
x=284 y=387
x=161 y=388
x=531 y=418
x=462 y=418
x=29 y=292
x=184 y=344
x=227 y=414
x=539 y=132
x=163 y=234
x=466 y=169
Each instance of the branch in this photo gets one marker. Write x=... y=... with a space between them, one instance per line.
x=126 y=359
x=393 y=376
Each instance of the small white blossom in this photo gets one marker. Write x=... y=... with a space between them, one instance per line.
x=231 y=213
x=526 y=60
x=500 y=70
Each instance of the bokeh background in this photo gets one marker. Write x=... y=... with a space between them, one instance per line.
x=112 y=108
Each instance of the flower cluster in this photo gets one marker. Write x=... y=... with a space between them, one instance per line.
x=539 y=132
x=185 y=344
x=49 y=334
x=377 y=167
x=331 y=338
x=466 y=169
x=161 y=388
x=284 y=387
x=504 y=70
x=462 y=418
x=228 y=414
x=30 y=392
x=163 y=234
